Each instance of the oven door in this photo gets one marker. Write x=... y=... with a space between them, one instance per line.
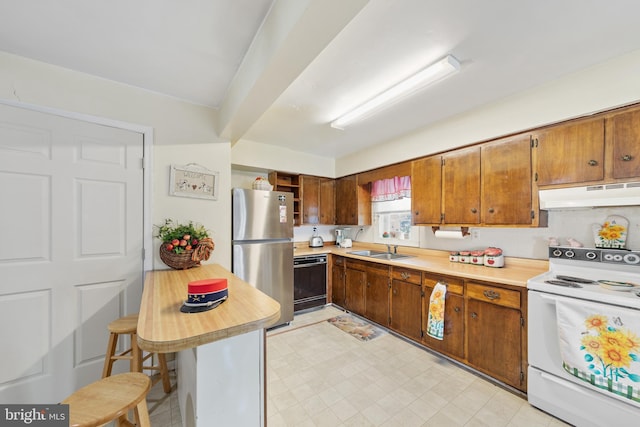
x=309 y=282
x=551 y=388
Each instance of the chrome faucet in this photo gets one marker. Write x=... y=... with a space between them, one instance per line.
x=388 y=249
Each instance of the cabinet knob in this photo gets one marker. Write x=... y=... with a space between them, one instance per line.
x=593 y=163
x=627 y=157
x=405 y=275
x=395 y=292
x=474 y=315
x=491 y=210
x=474 y=210
x=417 y=213
x=457 y=309
x=491 y=294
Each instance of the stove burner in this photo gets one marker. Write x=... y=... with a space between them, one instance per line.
x=577 y=280
x=563 y=283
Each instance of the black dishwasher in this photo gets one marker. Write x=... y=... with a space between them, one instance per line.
x=309 y=281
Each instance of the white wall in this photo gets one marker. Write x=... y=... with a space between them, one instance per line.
x=183 y=133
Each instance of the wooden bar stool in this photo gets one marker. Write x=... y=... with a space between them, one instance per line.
x=111 y=399
x=128 y=325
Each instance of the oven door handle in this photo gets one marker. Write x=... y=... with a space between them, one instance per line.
x=311 y=264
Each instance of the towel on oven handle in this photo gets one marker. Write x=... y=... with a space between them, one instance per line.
x=600 y=344
x=435 y=322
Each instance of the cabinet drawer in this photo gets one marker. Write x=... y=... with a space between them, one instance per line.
x=407 y=275
x=355 y=264
x=454 y=285
x=338 y=260
x=493 y=294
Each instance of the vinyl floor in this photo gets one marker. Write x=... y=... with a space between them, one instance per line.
x=318 y=375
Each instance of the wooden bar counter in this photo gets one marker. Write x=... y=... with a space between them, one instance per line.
x=220 y=364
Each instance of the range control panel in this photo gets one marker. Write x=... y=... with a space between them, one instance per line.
x=612 y=256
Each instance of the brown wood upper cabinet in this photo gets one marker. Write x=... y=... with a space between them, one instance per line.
x=426 y=193
x=318 y=200
x=506 y=182
x=571 y=153
x=623 y=136
x=353 y=201
x=461 y=186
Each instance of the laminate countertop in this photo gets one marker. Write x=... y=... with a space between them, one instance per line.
x=162 y=328
x=516 y=271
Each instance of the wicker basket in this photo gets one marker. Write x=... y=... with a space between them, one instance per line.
x=178 y=261
x=190 y=258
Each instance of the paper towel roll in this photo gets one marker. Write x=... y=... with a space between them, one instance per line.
x=449 y=234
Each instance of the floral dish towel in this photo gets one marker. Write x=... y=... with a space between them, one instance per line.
x=600 y=344
x=435 y=323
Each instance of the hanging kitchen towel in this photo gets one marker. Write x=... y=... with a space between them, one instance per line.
x=435 y=322
x=600 y=344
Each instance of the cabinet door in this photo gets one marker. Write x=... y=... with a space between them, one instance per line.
x=625 y=137
x=461 y=186
x=346 y=203
x=377 y=295
x=406 y=308
x=506 y=182
x=327 y=201
x=494 y=341
x=338 y=281
x=426 y=190
x=571 y=153
x=453 y=340
x=310 y=189
x=354 y=290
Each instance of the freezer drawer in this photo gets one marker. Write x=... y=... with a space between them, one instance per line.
x=269 y=267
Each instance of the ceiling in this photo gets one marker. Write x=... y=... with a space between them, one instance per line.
x=279 y=71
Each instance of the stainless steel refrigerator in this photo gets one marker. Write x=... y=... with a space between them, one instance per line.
x=262 y=244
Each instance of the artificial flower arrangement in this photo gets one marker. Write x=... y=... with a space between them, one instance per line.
x=183 y=245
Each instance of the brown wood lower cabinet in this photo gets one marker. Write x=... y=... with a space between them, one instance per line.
x=495 y=333
x=376 y=298
x=355 y=281
x=338 y=280
x=452 y=343
x=406 y=302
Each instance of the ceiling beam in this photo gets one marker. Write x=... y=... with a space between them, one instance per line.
x=292 y=35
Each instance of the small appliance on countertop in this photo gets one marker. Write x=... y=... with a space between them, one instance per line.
x=316 y=241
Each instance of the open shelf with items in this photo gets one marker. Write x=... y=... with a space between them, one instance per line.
x=290 y=183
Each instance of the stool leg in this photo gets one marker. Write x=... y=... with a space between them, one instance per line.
x=136 y=354
x=164 y=372
x=142 y=414
x=111 y=350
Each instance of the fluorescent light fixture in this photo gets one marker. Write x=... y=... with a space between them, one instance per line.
x=434 y=72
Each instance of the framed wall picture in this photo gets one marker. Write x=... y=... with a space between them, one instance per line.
x=193 y=180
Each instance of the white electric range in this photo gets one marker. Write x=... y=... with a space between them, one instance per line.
x=582 y=284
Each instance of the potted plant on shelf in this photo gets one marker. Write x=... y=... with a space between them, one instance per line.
x=183 y=245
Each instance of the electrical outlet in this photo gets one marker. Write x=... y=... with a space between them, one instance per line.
x=474 y=234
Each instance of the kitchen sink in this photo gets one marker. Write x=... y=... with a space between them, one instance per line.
x=379 y=255
x=367 y=253
x=390 y=256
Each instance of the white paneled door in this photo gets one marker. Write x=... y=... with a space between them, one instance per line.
x=71 y=242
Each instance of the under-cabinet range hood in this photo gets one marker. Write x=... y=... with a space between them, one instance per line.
x=618 y=194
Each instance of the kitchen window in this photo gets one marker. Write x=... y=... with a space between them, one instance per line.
x=392 y=223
